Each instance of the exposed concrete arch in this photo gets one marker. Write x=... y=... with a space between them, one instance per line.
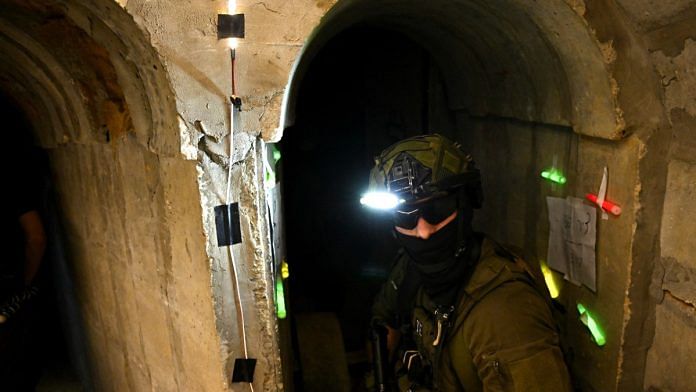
x=529 y=66
x=140 y=72
x=51 y=106
x=101 y=56
x=506 y=58
x=103 y=105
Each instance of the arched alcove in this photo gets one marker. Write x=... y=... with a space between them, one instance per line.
x=523 y=88
x=102 y=106
x=87 y=67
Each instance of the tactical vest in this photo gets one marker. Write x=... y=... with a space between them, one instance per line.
x=431 y=327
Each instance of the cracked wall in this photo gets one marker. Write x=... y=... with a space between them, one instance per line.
x=671 y=38
x=672 y=351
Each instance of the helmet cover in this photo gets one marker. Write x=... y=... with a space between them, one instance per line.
x=424 y=166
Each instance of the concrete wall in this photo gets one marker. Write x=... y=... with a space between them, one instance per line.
x=102 y=106
x=136 y=259
x=671 y=356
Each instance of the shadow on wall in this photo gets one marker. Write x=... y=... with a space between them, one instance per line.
x=56 y=344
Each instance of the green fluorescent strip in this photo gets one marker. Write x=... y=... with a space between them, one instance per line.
x=270 y=177
x=280 y=299
x=592 y=325
x=554 y=175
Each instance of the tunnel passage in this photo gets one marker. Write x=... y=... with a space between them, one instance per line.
x=53 y=354
x=515 y=84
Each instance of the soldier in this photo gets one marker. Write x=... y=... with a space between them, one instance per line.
x=469 y=315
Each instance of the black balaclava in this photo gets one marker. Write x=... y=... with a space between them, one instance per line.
x=445 y=260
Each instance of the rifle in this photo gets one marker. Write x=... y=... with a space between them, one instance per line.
x=380 y=358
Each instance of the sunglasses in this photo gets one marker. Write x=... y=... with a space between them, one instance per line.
x=433 y=211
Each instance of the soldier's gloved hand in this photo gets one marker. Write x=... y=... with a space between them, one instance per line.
x=15 y=303
x=30 y=292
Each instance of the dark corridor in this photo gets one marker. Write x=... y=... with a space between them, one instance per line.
x=365 y=90
x=36 y=340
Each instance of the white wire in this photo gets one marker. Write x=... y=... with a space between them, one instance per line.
x=229 y=248
x=229 y=166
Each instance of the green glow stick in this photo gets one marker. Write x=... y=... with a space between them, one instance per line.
x=592 y=325
x=554 y=175
x=280 y=299
x=270 y=177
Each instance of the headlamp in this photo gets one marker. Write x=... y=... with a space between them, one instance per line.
x=380 y=200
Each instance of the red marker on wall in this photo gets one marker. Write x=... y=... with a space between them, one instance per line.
x=608 y=206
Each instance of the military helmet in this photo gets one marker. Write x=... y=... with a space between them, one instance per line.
x=419 y=168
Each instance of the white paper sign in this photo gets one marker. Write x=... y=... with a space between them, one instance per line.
x=572 y=238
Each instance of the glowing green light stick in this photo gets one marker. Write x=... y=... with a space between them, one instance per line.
x=554 y=175
x=592 y=325
x=280 y=299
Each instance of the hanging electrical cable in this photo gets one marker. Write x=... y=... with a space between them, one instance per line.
x=231 y=27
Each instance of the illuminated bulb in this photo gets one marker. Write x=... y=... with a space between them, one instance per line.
x=280 y=300
x=276 y=155
x=232 y=43
x=592 y=325
x=550 y=280
x=380 y=200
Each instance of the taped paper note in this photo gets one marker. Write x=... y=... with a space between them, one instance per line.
x=572 y=238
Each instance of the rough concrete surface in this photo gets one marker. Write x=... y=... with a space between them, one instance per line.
x=672 y=351
x=672 y=356
x=678 y=229
x=678 y=77
x=650 y=14
x=670 y=359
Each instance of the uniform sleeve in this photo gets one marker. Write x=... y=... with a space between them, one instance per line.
x=385 y=305
x=514 y=342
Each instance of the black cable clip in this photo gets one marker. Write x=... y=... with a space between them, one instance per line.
x=236 y=102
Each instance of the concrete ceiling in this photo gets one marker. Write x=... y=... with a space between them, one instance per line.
x=509 y=58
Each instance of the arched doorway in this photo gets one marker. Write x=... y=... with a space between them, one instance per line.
x=102 y=106
x=511 y=82
x=351 y=106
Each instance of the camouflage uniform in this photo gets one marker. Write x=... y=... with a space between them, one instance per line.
x=500 y=335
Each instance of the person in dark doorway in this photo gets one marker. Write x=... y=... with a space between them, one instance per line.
x=20 y=265
x=23 y=251
x=461 y=313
